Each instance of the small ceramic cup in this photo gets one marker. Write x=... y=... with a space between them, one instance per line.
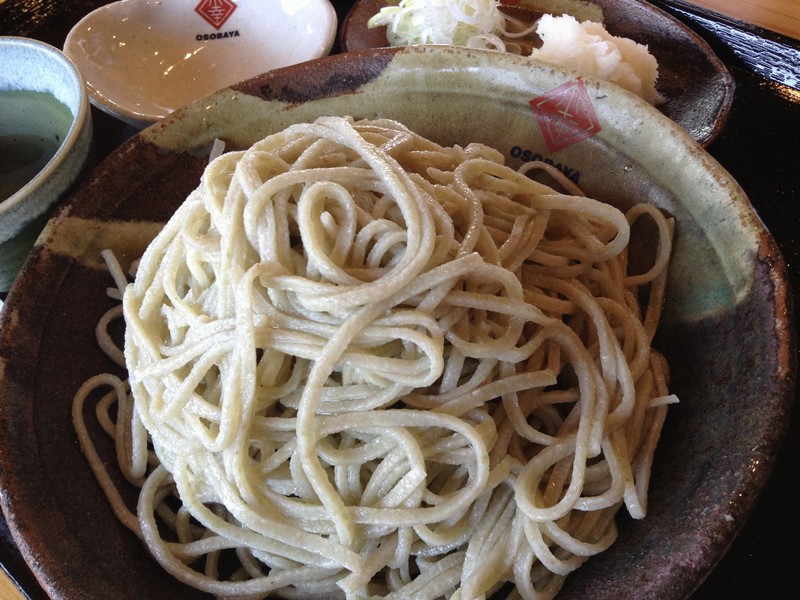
x=45 y=140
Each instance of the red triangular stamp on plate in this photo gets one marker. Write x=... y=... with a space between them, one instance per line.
x=565 y=115
x=216 y=12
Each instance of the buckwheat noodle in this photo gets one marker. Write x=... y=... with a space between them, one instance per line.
x=363 y=365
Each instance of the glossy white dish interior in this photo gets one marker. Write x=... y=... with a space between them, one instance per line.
x=142 y=59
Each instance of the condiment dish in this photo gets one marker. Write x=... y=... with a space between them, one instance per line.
x=144 y=58
x=696 y=87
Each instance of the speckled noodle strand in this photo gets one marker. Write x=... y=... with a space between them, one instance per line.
x=363 y=365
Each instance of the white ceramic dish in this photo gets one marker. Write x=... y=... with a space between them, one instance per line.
x=142 y=59
x=31 y=69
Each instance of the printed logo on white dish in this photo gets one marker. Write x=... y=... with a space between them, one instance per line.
x=215 y=12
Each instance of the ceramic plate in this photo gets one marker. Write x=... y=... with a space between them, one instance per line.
x=727 y=329
x=696 y=85
x=142 y=59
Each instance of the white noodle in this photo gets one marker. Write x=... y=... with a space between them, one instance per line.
x=378 y=367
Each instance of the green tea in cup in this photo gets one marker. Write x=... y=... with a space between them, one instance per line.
x=33 y=125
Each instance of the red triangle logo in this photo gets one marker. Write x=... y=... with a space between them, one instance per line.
x=565 y=115
x=216 y=12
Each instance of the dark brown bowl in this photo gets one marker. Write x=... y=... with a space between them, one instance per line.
x=696 y=85
x=727 y=329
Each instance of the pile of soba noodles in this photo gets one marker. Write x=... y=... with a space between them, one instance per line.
x=363 y=365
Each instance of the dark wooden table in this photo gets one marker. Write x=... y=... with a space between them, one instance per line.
x=760 y=147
